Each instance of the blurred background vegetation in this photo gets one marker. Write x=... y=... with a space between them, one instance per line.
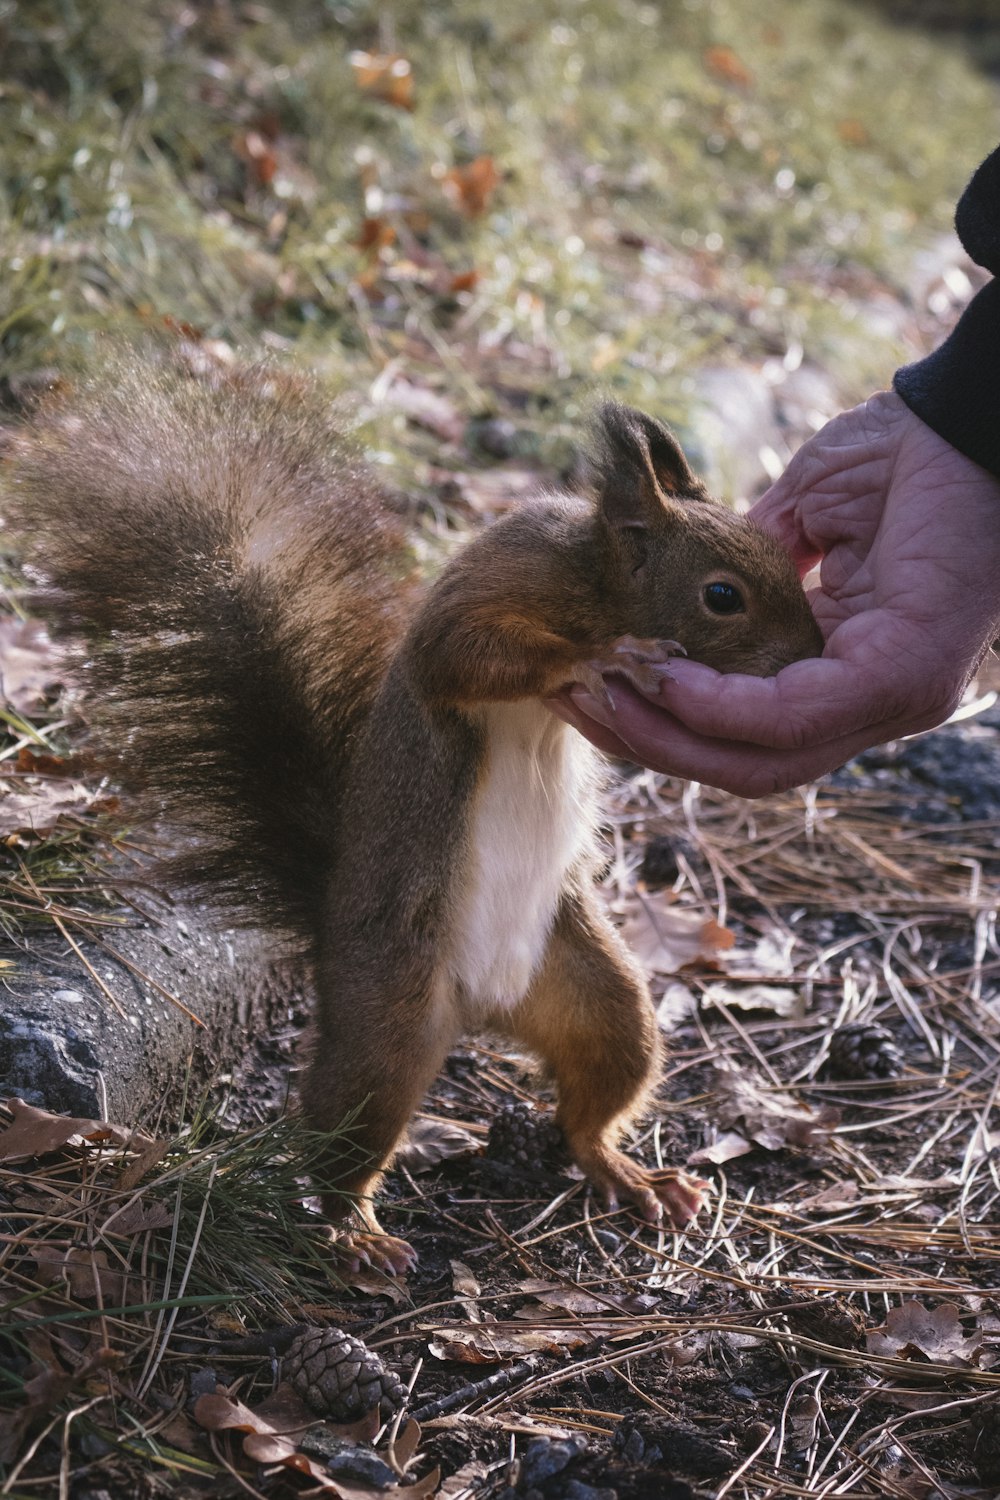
x=495 y=210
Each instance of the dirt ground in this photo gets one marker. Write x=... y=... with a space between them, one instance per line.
x=829 y=1326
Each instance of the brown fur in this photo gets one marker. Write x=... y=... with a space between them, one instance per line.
x=256 y=667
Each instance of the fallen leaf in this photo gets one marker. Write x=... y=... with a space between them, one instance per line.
x=36 y=807
x=471 y=187
x=36 y=1132
x=376 y=1284
x=29 y=664
x=485 y=1345
x=431 y=1142
x=259 y=155
x=385 y=75
x=725 y=1147
x=677 y=1004
x=32 y=763
x=44 y=1391
x=270 y=1432
x=838 y=1196
x=489 y=492
x=138 y=1217
x=374 y=235
x=913 y=1331
x=724 y=63
x=667 y=938
x=427 y=409
x=575 y=1300
x=770 y=957
x=777 y=999
x=770 y=1117
x=805 y=1414
x=86 y=1272
x=852 y=132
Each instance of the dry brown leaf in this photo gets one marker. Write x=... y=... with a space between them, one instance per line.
x=38 y=804
x=724 y=63
x=852 y=132
x=575 y=1300
x=85 y=1271
x=769 y=958
x=35 y=763
x=486 y=1345
x=376 y=1284
x=489 y=492
x=260 y=157
x=472 y=186
x=676 y=1005
x=770 y=1117
x=29 y=664
x=430 y=1142
x=779 y=1000
x=137 y=1217
x=44 y=1391
x=667 y=938
x=726 y=1147
x=463 y=1281
x=804 y=1420
x=36 y=1132
x=427 y=408
x=271 y=1428
x=385 y=75
x=836 y=1197
x=913 y=1331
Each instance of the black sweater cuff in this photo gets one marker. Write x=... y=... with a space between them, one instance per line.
x=956 y=390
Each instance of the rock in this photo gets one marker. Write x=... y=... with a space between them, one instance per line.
x=64 y=1046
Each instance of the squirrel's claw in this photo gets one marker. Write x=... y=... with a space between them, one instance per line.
x=642 y=662
x=358 y=1250
x=665 y=1195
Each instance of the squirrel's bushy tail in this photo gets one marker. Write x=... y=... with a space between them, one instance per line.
x=239 y=578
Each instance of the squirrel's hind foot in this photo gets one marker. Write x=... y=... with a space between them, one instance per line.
x=665 y=1195
x=357 y=1249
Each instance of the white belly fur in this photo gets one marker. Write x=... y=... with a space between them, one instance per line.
x=532 y=820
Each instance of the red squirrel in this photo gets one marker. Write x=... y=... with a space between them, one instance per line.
x=369 y=765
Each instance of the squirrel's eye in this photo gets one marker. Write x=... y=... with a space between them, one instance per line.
x=723 y=599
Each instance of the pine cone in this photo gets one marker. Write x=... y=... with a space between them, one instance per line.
x=864 y=1050
x=338 y=1377
x=520 y=1136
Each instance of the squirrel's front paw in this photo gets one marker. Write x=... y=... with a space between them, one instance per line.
x=642 y=662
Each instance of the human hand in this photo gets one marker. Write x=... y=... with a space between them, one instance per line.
x=907 y=530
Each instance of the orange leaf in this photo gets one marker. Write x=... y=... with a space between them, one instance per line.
x=259 y=155
x=471 y=187
x=385 y=75
x=723 y=62
x=852 y=133
x=374 y=235
x=463 y=281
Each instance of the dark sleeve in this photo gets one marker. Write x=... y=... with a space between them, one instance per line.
x=956 y=390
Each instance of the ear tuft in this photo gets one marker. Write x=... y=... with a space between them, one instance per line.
x=640 y=467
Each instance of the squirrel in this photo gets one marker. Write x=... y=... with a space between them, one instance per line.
x=368 y=764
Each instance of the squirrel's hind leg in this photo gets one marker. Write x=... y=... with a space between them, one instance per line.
x=589 y=1016
x=374 y=1055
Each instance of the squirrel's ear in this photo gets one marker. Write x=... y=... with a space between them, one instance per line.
x=640 y=467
